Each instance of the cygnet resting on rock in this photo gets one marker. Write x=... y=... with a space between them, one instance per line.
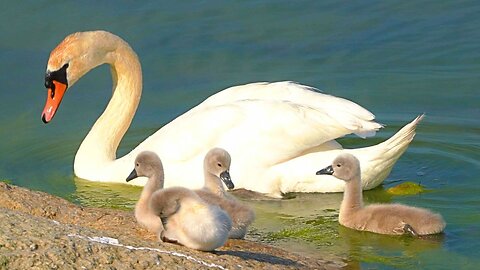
x=177 y=214
x=393 y=219
x=216 y=168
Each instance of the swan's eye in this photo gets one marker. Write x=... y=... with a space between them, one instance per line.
x=57 y=75
x=338 y=165
x=48 y=81
x=49 y=84
x=136 y=165
x=219 y=165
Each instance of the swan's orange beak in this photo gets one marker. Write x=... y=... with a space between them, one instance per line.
x=54 y=97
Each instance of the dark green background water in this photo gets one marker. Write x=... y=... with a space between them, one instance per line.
x=396 y=58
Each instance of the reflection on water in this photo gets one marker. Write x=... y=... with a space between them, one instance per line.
x=97 y=194
x=395 y=251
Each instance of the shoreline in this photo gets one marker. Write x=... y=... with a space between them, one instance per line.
x=39 y=230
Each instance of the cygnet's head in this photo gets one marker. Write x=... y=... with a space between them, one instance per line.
x=146 y=164
x=217 y=162
x=344 y=167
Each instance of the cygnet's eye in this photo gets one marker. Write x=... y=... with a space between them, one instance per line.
x=219 y=165
x=136 y=165
x=339 y=165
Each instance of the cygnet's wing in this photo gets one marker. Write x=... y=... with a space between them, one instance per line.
x=170 y=209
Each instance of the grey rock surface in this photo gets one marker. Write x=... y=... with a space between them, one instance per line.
x=41 y=231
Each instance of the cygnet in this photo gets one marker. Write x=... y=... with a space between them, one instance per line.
x=216 y=167
x=395 y=219
x=177 y=214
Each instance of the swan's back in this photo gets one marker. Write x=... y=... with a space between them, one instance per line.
x=290 y=91
x=347 y=113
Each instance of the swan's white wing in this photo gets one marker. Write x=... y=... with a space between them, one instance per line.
x=347 y=113
x=274 y=130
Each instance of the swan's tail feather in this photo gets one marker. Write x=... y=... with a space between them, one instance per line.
x=381 y=157
x=399 y=142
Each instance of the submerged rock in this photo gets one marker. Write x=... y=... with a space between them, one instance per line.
x=406 y=188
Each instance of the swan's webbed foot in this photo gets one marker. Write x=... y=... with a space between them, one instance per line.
x=164 y=238
x=170 y=209
x=407 y=229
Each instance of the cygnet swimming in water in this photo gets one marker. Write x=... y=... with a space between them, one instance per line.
x=177 y=214
x=216 y=166
x=395 y=219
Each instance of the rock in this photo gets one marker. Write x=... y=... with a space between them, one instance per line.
x=406 y=188
x=67 y=236
x=33 y=247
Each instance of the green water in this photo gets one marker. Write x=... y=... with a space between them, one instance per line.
x=396 y=58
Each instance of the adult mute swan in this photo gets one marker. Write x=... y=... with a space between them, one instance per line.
x=278 y=133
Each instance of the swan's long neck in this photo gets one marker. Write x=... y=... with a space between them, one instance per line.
x=100 y=145
x=352 y=197
x=153 y=184
x=144 y=213
x=213 y=184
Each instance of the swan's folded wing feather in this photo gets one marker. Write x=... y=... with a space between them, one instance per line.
x=349 y=114
x=279 y=129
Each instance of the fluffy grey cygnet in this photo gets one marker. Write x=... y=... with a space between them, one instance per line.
x=395 y=219
x=216 y=167
x=177 y=214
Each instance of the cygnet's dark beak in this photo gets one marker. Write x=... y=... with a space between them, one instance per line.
x=328 y=170
x=225 y=176
x=132 y=175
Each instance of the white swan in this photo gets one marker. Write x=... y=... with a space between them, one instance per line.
x=276 y=132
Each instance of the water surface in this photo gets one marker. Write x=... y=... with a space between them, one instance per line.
x=396 y=58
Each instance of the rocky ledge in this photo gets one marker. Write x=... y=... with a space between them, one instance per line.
x=41 y=231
